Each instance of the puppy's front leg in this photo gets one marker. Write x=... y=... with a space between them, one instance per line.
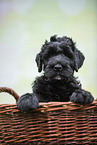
x=27 y=102
x=82 y=97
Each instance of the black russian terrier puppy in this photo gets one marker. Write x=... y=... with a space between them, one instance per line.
x=59 y=58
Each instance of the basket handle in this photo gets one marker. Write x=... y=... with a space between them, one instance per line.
x=10 y=91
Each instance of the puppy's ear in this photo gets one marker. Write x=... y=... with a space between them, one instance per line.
x=79 y=59
x=39 y=62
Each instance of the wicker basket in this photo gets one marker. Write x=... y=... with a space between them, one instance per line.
x=52 y=123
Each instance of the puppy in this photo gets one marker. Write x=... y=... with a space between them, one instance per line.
x=58 y=58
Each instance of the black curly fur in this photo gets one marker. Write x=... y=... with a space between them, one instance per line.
x=47 y=90
x=58 y=58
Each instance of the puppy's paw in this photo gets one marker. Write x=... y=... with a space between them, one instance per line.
x=82 y=97
x=27 y=102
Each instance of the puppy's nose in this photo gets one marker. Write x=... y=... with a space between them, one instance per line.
x=58 y=67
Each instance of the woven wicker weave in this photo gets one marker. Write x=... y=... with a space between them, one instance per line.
x=52 y=123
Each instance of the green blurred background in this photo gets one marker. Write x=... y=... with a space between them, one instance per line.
x=24 y=26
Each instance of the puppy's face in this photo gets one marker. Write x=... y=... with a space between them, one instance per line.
x=59 y=58
x=58 y=68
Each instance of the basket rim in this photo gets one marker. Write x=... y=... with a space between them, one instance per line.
x=54 y=106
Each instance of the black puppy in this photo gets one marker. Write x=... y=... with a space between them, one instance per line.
x=59 y=58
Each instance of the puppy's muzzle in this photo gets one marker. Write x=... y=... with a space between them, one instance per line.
x=58 y=67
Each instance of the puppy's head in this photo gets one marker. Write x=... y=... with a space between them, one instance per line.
x=59 y=58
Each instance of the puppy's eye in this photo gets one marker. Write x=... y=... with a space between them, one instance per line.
x=67 y=50
x=51 y=51
x=70 y=55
